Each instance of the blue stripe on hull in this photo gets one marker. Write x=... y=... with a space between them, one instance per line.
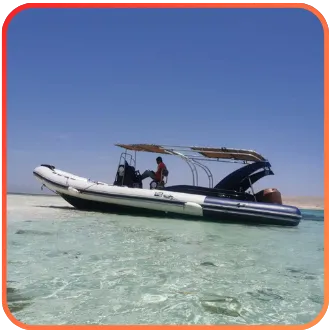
x=251 y=212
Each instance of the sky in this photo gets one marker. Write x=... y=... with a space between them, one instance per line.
x=81 y=80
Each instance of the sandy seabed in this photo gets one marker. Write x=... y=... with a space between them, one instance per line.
x=69 y=267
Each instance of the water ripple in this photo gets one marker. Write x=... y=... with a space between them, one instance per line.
x=72 y=267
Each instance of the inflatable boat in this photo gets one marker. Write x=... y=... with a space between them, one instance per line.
x=231 y=200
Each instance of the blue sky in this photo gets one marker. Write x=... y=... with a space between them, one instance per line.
x=80 y=80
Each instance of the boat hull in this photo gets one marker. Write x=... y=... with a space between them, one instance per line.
x=87 y=195
x=103 y=207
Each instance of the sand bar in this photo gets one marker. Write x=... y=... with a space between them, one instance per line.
x=305 y=202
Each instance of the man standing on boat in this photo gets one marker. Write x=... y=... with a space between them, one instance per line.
x=156 y=176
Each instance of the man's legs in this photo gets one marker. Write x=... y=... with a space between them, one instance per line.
x=148 y=173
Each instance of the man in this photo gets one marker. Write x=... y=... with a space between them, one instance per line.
x=158 y=175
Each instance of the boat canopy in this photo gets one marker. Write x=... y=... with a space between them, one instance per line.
x=210 y=153
x=193 y=156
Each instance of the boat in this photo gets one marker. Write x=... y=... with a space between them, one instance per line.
x=233 y=199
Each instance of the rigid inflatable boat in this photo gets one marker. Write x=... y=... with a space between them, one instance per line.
x=228 y=201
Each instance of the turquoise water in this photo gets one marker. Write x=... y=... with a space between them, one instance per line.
x=71 y=267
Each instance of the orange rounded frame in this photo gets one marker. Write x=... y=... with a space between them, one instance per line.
x=166 y=5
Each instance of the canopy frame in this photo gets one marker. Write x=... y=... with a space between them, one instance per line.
x=193 y=156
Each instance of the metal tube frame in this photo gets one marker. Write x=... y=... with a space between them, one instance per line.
x=192 y=161
x=123 y=156
x=255 y=198
x=190 y=164
x=207 y=171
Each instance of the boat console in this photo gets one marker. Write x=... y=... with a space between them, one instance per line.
x=127 y=176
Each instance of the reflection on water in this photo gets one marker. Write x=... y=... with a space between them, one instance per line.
x=16 y=302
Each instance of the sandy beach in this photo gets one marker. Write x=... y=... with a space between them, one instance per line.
x=305 y=202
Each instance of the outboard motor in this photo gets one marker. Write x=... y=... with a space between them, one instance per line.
x=127 y=176
x=270 y=195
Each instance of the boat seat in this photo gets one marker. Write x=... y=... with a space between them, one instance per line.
x=154 y=184
x=164 y=176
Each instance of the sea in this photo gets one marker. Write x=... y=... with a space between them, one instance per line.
x=69 y=267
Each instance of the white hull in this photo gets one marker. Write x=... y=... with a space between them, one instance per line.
x=72 y=185
x=86 y=194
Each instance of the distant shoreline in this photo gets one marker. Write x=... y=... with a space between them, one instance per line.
x=303 y=202
x=31 y=194
x=310 y=203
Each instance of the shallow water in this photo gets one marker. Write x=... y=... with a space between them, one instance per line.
x=71 y=267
